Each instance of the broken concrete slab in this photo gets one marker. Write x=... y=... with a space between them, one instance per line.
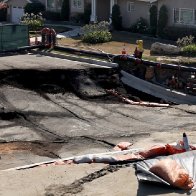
x=160 y=48
x=39 y=107
x=41 y=62
x=83 y=179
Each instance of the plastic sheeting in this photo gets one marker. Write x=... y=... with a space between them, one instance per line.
x=187 y=160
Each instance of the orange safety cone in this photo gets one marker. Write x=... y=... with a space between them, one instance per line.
x=124 y=52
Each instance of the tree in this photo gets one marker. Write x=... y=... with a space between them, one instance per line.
x=3 y=11
x=34 y=8
x=163 y=20
x=116 y=17
x=87 y=13
x=65 y=10
x=153 y=19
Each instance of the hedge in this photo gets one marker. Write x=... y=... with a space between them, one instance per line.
x=189 y=50
x=174 y=32
x=49 y=15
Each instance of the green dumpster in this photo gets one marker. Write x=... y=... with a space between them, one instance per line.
x=13 y=37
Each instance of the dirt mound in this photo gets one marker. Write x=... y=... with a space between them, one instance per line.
x=41 y=149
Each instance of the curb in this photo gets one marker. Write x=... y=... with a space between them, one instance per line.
x=71 y=158
x=79 y=59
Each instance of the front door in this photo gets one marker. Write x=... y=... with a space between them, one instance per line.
x=103 y=10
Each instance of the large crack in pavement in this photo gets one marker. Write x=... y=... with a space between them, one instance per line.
x=90 y=117
x=21 y=118
x=77 y=186
x=73 y=113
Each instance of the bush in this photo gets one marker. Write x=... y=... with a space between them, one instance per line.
x=102 y=26
x=189 y=50
x=153 y=20
x=34 y=8
x=162 y=21
x=185 y=41
x=77 y=18
x=97 y=37
x=33 y=21
x=141 y=26
x=116 y=17
x=49 y=15
x=174 y=32
x=65 y=10
x=96 y=33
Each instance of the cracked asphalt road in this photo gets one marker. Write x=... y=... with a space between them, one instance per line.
x=42 y=117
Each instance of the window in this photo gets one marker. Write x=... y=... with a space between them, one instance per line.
x=149 y=5
x=76 y=4
x=51 y=3
x=130 y=6
x=184 y=16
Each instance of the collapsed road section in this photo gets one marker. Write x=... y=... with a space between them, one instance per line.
x=53 y=108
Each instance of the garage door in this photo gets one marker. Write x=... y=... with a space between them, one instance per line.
x=17 y=13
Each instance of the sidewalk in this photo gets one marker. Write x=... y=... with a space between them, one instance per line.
x=76 y=30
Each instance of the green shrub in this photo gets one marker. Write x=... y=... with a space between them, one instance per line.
x=141 y=26
x=116 y=17
x=153 y=19
x=174 y=32
x=77 y=18
x=33 y=21
x=102 y=26
x=34 y=8
x=96 y=33
x=189 y=50
x=185 y=41
x=65 y=10
x=97 y=37
x=49 y=15
x=162 y=20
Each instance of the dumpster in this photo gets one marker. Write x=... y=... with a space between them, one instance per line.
x=13 y=36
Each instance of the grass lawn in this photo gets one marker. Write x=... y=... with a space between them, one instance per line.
x=115 y=46
x=129 y=39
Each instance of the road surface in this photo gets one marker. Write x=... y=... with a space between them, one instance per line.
x=44 y=115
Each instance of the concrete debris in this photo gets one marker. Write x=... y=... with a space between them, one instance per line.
x=160 y=48
x=141 y=103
